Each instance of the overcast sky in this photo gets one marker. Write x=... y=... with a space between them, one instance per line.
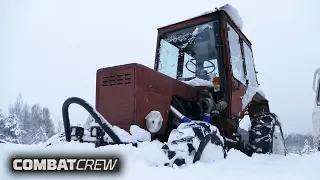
x=50 y=50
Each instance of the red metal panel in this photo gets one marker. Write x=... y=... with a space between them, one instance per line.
x=236 y=99
x=128 y=101
x=116 y=89
x=153 y=92
x=148 y=100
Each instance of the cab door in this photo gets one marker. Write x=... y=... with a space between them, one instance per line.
x=239 y=85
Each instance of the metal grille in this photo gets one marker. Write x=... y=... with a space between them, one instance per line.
x=115 y=80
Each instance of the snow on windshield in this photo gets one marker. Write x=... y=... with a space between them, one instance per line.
x=197 y=46
x=187 y=37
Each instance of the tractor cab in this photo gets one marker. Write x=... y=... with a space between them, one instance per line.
x=211 y=47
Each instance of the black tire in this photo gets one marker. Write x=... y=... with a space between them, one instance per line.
x=206 y=137
x=265 y=135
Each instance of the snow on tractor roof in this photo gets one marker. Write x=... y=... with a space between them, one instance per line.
x=232 y=12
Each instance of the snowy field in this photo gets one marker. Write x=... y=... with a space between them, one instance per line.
x=141 y=163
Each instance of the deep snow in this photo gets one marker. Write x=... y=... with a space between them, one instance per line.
x=140 y=163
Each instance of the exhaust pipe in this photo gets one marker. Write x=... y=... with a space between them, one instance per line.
x=184 y=119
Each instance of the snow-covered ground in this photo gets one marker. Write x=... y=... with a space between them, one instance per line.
x=141 y=163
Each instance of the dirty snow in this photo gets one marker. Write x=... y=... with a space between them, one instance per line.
x=140 y=163
x=199 y=82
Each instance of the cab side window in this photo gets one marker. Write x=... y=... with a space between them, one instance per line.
x=249 y=62
x=236 y=55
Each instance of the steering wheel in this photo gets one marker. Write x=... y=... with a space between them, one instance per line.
x=191 y=61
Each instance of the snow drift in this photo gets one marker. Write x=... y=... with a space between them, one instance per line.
x=140 y=164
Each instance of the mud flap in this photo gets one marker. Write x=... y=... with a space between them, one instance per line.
x=194 y=141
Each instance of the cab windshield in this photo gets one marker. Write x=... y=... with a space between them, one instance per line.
x=189 y=53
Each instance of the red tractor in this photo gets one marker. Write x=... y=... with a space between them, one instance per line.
x=204 y=72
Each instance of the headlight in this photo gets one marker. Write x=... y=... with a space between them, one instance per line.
x=96 y=131
x=77 y=131
x=154 y=121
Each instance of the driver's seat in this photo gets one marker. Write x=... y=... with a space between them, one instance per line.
x=204 y=50
x=203 y=74
x=205 y=46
